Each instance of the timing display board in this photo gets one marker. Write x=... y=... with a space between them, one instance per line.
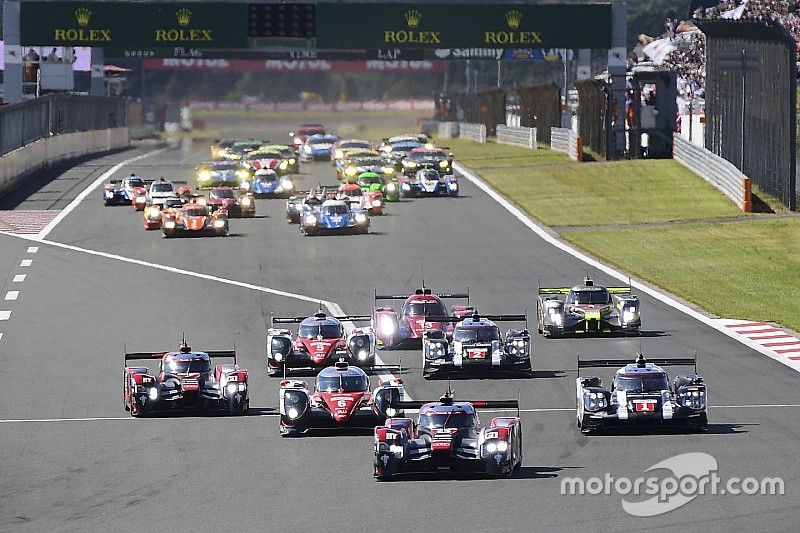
x=130 y=25
x=436 y=26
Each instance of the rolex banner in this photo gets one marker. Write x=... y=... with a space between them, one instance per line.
x=126 y=24
x=442 y=26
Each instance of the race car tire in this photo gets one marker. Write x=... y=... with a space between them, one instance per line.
x=168 y=234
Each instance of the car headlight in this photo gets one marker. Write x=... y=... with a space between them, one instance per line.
x=388 y=170
x=406 y=187
x=219 y=223
x=232 y=388
x=245 y=185
x=391 y=187
x=362 y=355
x=292 y=160
x=693 y=399
x=454 y=186
x=361 y=218
x=310 y=220
x=284 y=165
x=169 y=224
x=246 y=201
x=443 y=164
x=376 y=203
x=307 y=149
x=153 y=393
x=350 y=171
x=491 y=447
x=205 y=175
x=292 y=412
x=287 y=185
x=594 y=401
x=410 y=164
x=337 y=154
x=387 y=325
x=391 y=411
x=201 y=201
x=396 y=449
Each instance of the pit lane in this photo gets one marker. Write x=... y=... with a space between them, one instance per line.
x=77 y=312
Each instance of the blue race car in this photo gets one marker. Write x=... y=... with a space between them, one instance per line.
x=334 y=216
x=233 y=174
x=124 y=191
x=267 y=184
x=429 y=182
x=318 y=147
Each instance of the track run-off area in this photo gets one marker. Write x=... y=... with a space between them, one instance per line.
x=85 y=284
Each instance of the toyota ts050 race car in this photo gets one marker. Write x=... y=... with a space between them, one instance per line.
x=447 y=436
x=236 y=204
x=185 y=380
x=341 y=400
x=393 y=329
x=587 y=309
x=334 y=217
x=194 y=219
x=321 y=340
x=267 y=184
x=640 y=395
x=428 y=182
x=477 y=347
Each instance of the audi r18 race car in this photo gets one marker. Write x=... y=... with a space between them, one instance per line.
x=124 y=191
x=393 y=329
x=422 y=157
x=194 y=219
x=334 y=216
x=267 y=184
x=477 y=347
x=186 y=380
x=428 y=182
x=447 y=437
x=234 y=203
x=640 y=395
x=321 y=340
x=587 y=309
x=224 y=173
x=317 y=147
x=341 y=400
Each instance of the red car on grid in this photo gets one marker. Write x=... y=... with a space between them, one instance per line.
x=234 y=203
x=154 y=214
x=394 y=329
x=194 y=219
x=304 y=132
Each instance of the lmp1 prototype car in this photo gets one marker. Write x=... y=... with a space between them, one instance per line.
x=423 y=157
x=124 y=191
x=368 y=201
x=393 y=329
x=477 y=347
x=194 y=219
x=334 y=216
x=341 y=400
x=429 y=182
x=318 y=147
x=372 y=182
x=185 y=380
x=234 y=203
x=321 y=341
x=267 y=184
x=640 y=395
x=588 y=309
x=448 y=436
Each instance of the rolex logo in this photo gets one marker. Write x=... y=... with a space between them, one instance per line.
x=184 y=16
x=83 y=15
x=513 y=18
x=413 y=18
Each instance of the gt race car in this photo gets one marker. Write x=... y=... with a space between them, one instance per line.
x=321 y=341
x=447 y=437
x=428 y=182
x=394 y=330
x=587 y=309
x=640 y=395
x=186 y=380
x=477 y=347
x=267 y=184
x=194 y=220
x=341 y=399
x=334 y=217
x=233 y=203
x=317 y=147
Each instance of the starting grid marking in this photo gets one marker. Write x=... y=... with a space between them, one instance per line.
x=26 y=222
x=782 y=344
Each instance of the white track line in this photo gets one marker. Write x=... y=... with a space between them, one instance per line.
x=19 y=278
x=33 y=249
x=26 y=262
x=86 y=192
x=12 y=295
x=5 y=315
x=710 y=322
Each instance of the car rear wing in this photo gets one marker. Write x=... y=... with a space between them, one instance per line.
x=589 y=282
x=475 y=316
x=618 y=363
x=214 y=354
x=423 y=290
x=478 y=404
x=299 y=319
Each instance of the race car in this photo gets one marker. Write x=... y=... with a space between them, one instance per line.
x=354 y=165
x=428 y=182
x=587 y=309
x=640 y=395
x=302 y=202
x=393 y=329
x=316 y=147
x=267 y=184
x=477 y=347
x=153 y=214
x=341 y=400
x=239 y=150
x=304 y=132
x=343 y=146
x=321 y=340
x=420 y=139
x=186 y=380
x=422 y=157
x=124 y=191
x=234 y=174
x=159 y=191
x=373 y=182
x=234 y=203
x=220 y=148
x=292 y=161
x=273 y=159
x=334 y=217
x=447 y=437
x=194 y=220
x=395 y=153
x=369 y=201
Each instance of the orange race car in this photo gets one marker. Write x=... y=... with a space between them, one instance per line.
x=194 y=219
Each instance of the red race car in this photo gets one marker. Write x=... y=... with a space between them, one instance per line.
x=154 y=214
x=370 y=201
x=341 y=399
x=186 y=380
x=393 y=329
x=194 y=219
x=304 y=132
x=234 y=203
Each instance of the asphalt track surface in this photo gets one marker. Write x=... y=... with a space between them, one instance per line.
x=73 y=460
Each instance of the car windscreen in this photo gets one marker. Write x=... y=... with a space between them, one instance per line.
x=223 y=168
x=350 y=383
x=177 y=366
x=589 y=297
x=369 y=180
x=354 y=144
x=372 y=162
x=311 y=130
x=224 y=193
x=161 y=187
x=425 y=308
x=326 y=331
x=428 y=175
x=642 y=382
x=335 y=210
x=135 y=182
x=195 y=212
x=351 y=192
x=446 y=420
x=483 y=334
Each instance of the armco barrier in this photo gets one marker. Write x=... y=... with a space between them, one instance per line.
x=473 y=132
x=448 y=130
x=717 y=171
x=22 y=163
x=516 y=136
x=566 y=141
